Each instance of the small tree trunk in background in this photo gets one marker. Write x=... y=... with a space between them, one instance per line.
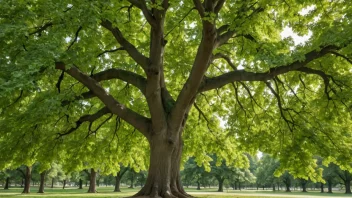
x=22 y=183
x=132 y=180
x=117 y=182
x=198 y=185
x=304 y=186
x=321 y=187
x=348 y=186
x=63 y=187
x=329 y=186
x=27 y=181
x=92 y=187
x=52 y=183
x=239 y=185
x=288 y=188
x=221 y=185
x=274 y=188
x=80 y=184
x=42 y=181
x=7 y=183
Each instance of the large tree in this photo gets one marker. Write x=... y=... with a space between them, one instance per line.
x=225 y=58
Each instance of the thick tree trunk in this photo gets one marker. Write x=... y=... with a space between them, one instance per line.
x=27 y=181
x=80 y=184
x=7 y=183
x=92 y=187
x=117 y=182
x=221 y=185
x=164 y=171
x=64 y=184
x=42 y=181
x=348 y=187
x=321 y=187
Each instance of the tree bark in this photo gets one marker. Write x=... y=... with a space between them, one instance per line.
x=348 y=186
x=321 y=187
x=42 y=181
x=221 y=185
x=92 y=187
x=80 y=184
x=117 y=182
x=27 y=180
x=132 y=179
x=274 y=189
x=7 y=183
x=164 y=171
x=198 y=185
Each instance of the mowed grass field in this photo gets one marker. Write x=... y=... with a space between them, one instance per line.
x=126 y=192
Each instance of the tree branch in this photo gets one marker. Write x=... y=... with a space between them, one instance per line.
x=226 y=58
x=199 y=67
x=124 y=75
x=138 y=121
x=199 y=7
x=131 y=49
x=322 y=74
x=109 y=51
x=42 y=28
x=141 y=4
x=218 y=6
x=75 y=39
x=242 y=75
x=86 y=118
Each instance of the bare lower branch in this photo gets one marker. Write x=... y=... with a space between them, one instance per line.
x=42 y=28
x=218 y=6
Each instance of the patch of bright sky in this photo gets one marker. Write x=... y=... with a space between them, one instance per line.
x=288 y=32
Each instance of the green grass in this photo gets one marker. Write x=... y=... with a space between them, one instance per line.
x=126 y=192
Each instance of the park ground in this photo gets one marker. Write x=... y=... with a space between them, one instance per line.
x=206 y=193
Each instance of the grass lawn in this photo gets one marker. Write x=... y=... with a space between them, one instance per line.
x=126 y=192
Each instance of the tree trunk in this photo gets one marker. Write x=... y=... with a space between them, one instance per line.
x=7 y=183
x=27 y=180
x=80 y=184
x=164 y=171
x=52 y=183
x=321 y=187
x=42 y=181
x=348 y=186
x=274 y=188
x=117 y=182
x=221 y=185
x=92 y=187
x=287 y=187
x=198 y=185
x=329 y=186
x=304 y=186
x=63 y=187
x=132 y=179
